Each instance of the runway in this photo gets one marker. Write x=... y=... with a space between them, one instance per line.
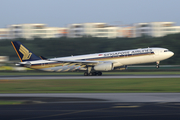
x=92 y=106
x=85 y=77
x=108 y=97
x=91 y=111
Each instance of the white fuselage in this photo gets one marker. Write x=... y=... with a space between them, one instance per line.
x=117 y=58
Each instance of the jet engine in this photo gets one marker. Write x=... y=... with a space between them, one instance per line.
x=104 y=67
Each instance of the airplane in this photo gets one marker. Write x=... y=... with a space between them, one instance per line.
x=92 y=64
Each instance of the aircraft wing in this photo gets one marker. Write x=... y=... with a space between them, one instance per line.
x=78 y=62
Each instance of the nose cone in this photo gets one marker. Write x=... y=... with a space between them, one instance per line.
x=171 y=54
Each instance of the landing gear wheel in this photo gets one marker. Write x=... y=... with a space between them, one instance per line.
x=95 y=73
x=91 y=74
x=85 y=74
x=157 y=66
x=99 y=73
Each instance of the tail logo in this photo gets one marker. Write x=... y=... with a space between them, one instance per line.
x=25 y=52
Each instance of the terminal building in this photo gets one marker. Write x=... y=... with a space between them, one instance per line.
x=92 y=30
x=31 y=31
x=152 y=29
x=102 y=30
x=155 y=29
x=4 y=33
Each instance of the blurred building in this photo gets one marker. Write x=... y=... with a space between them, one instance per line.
x=3 y=59
x=31 y=31
x=155 y=29
x=4 y=33
x=126 y=32
x=103 y=30
x=75 y=30
x=92 y=30
x=55 y=32
x=27 y=31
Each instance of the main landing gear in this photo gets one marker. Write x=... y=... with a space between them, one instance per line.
x=93 y=73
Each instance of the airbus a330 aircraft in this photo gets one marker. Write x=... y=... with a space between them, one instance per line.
x=92 y=64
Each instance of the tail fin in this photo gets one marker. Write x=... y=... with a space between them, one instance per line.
x=24 y=53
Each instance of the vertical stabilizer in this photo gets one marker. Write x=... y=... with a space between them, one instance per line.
x=24 y=53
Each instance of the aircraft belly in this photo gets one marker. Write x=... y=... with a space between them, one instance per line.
x=137 y=60
x=160 y=57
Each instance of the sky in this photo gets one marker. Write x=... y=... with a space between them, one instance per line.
x=60 y=13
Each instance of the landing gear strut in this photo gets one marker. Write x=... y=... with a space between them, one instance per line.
x=157 y=64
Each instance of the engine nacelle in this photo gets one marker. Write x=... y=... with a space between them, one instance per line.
x=104 y=67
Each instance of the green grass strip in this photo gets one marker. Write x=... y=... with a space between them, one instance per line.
x=10 y=102
x=91 y=85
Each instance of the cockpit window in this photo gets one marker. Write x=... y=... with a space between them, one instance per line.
x=166 y=50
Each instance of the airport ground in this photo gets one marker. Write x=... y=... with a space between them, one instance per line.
x=108 y=83
x=75 y=82
x=91 y=106
x=91 y=111
x=92 y=98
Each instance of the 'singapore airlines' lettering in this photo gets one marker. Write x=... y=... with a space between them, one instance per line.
x=129 y=52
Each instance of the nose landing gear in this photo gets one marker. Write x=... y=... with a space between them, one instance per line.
x=157 y=64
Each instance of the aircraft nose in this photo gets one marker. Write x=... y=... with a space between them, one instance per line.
x=171 y=53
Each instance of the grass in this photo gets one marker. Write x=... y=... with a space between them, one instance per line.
x=91 y=85
x=10 y=102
